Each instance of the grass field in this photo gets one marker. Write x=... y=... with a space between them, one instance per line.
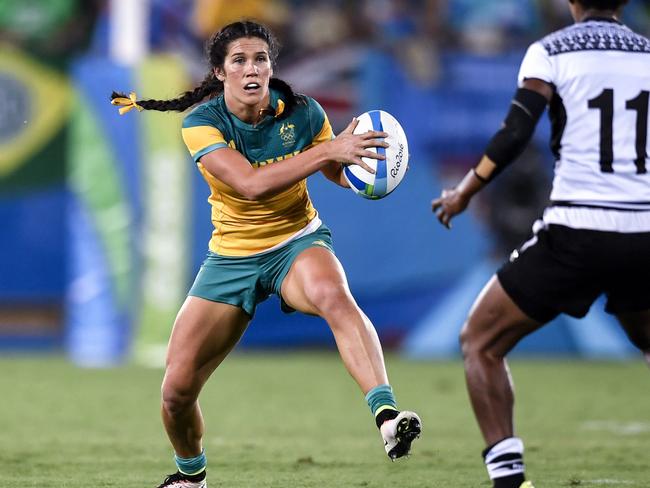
x=297 y=420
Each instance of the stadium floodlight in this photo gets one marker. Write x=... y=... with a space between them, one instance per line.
x=129 y=30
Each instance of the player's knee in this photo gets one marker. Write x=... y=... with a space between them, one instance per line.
x=464 y=338
x=469 y=342
x=329 y=297
x=475 y=343
x=177 y=396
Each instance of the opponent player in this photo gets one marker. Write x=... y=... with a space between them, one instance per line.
x=255 y=142
x=595 y=235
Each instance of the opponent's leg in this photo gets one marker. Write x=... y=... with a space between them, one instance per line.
x=637 y=328
x=494 y=326
x=204 y=333
x=316 y=284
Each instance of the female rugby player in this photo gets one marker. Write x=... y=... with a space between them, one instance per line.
x=255 y=142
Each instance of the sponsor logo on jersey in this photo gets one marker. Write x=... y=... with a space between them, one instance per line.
x=288 y=134
x=321 y=243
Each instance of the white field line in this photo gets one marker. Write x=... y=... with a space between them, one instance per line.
x=616 y=427
x=606 y=481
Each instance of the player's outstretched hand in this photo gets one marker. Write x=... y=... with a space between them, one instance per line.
x=349 y=148
x=451 y=203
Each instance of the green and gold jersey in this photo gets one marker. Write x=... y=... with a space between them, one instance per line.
x=243 y=227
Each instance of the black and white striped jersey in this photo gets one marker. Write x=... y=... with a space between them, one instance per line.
x=600 y=70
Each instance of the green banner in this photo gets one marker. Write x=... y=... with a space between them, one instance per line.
x=166 y=207
x=93 y=178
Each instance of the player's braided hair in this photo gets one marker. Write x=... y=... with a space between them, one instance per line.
x=602 y=4
x=216 y=50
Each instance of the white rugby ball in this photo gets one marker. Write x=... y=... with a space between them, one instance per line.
x=388 y=172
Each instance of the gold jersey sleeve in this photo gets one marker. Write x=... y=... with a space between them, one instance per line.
x=202 y=139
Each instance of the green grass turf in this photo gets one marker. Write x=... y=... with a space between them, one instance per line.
x=298 y=420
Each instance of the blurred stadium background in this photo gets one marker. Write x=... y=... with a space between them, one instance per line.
x=105 y=222
x=104 y=218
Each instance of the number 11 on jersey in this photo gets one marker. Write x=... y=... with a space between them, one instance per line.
x=605 y=103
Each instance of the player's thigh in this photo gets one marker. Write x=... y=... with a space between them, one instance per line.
x=315 y=276
x=628 y=286
x=555 y=271
x=204 y=333
x=637 y=327
x=495 y=323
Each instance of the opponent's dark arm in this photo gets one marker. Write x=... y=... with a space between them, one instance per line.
x=509 y=142
x=504 y=147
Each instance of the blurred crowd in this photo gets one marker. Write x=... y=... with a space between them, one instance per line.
x=479 y=26
x=60 y=28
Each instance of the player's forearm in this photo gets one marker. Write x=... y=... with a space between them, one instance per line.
x=473 y=182
x=276 y=177
x=514 y=135
x=334 y=172
x=341 y=180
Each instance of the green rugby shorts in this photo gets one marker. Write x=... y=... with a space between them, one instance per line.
x=247 y=281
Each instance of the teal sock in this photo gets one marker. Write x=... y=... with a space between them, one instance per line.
x=381 y=398
x=191 y=466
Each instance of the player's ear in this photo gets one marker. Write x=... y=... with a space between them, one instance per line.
x=218 y=72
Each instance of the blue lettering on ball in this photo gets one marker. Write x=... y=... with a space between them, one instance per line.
x=398 y=161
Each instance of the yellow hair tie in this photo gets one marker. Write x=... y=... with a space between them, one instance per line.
x=127 y=103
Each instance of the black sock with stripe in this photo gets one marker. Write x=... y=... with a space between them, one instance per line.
x=505 y=463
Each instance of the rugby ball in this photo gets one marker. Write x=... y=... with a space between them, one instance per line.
x=388 y=172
